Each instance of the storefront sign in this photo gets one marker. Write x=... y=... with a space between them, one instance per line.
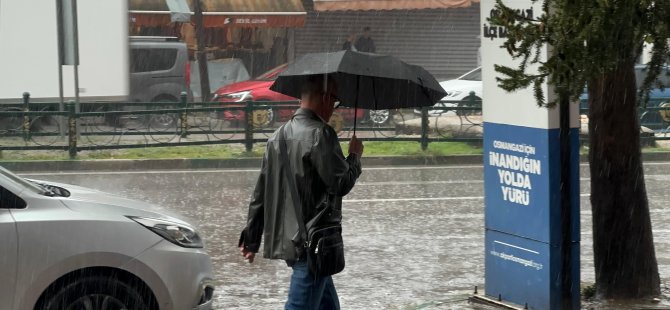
x=246 y=21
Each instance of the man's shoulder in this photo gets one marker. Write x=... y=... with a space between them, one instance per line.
x=308 y=129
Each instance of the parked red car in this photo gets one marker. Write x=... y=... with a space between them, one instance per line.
x=258 y=89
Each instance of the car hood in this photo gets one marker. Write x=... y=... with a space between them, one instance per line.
x=243 y=86
x=87 y=200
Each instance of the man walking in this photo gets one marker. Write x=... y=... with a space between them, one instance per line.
x=322 y=176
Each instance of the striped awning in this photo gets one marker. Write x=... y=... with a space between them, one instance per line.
x=224 y=13
x=370 y=5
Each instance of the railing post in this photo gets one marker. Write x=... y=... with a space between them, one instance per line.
x=26 y=118
x=248 y=126
x=72 y=130
x=183 y=118
x=424 y=128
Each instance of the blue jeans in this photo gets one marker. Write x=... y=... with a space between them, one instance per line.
x=307 y=293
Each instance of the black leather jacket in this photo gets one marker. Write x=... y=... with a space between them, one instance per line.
x=322 y=174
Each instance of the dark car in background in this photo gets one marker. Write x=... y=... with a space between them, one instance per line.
x=159 y=72
x=658 y=97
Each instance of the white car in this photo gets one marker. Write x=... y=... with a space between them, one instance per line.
x=68 y=247
x=459 y=89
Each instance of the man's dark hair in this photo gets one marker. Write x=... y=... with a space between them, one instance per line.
x=366 y=29
x=314 y=84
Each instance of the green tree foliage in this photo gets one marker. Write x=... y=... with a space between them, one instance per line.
x=589 y=38
x=596 y=43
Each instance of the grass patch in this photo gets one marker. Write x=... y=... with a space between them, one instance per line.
x=231 y=151
x=372 y=148
x=406 y=148
x=33 y=155
x=171 y=152
x=201 y=151
x=655 y=149
x=584 y=150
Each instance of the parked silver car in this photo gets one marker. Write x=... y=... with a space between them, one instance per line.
x=459 y=89
x=69 y=247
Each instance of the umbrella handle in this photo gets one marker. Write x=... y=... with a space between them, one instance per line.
x=358 y=82
x=355 y=116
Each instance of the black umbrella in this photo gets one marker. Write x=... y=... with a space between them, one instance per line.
x=364 y=80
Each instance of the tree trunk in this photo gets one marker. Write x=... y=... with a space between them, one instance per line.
x=623 y=246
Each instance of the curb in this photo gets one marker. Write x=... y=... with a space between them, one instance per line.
x=192 y=164
x=247 y=163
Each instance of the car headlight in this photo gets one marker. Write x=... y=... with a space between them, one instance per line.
x=176 y=233
x=241 y=96
x=454 y=93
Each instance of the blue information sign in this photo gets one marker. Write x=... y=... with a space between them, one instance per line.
x=531 y=241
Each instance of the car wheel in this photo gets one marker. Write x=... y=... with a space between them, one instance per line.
x=97 y=293
x=379 y=117
x=110 y=120
x=164 y=120
x=665 y=114
x=264 y=118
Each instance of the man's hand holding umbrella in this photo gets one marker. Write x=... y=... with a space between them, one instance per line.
x=356 y=146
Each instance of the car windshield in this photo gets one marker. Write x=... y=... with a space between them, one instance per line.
x=21 y=181
x=272 y=74
x=474 y=75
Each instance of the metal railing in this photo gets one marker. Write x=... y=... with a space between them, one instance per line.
x=103 y=126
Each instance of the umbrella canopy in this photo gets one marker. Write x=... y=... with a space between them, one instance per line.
x=364 y=80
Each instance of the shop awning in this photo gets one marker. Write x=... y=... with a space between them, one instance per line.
x=370 y=5
x=224 y=13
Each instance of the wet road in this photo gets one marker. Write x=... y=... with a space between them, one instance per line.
x=413 y=235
